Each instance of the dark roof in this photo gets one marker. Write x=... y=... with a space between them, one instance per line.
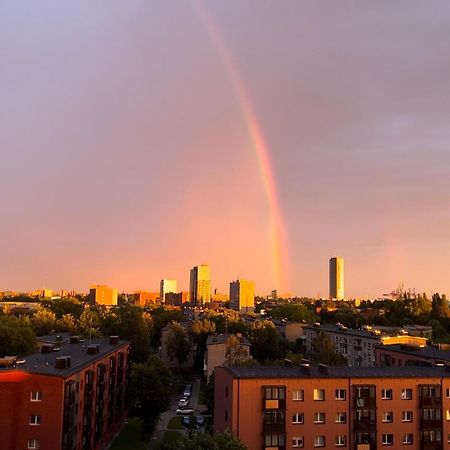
x=222 y=339
x=327 y=327
x=44 y=363
x=336 y=372
x=422 y=352
x=54 y=338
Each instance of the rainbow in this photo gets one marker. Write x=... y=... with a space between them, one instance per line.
x=278 y=240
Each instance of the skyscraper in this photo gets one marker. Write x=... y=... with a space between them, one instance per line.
x=166 y=286
x=242 y=295
x=200 y=285
x=337 y=278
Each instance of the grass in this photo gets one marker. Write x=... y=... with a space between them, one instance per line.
x=130 y=436
x=175 y=424
x=171 y=437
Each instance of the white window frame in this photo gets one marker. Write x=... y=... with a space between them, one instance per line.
x=407 y=416
x=317 y=443
x=405 y=438
x=318 y=417
x=298 y=442
x=339 y=416
x=298 y=416
x=36 y=396
x=405 y=395
x=33 y=444
x=387 y=439
x=386 y=394
x=298 y=395
x=36 y=421
x=387 y=416
x=340 y=440
x=338 y=396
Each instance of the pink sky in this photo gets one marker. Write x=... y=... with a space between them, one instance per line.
x=125 y=157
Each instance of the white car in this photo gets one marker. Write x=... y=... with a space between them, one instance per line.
x=183 y=402
x=184 y=411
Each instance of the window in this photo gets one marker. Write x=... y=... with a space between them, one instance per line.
x=430 y=391
x=430 y=414
x=319 y=395
x=386 y=394
x=274 y=440
x=448 y=438
x=341 y=417
x=447 y=393
x=226 y=391
x=447 y=414
x=340 y=394
x=274 y=417
x=340 y=440
x=35 y=420
x=33 y=443
x=319 y=441
x=298 y=395
x=431 y=436
x=387 y=416
x=408 y=438
x=298 y=418
x=407 y=416
x=36 y=396
x=298 y=442
x=274 y=393
x=406 y=394
x=319 y=417
x=387 y=439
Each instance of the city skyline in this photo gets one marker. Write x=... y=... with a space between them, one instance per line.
x=138 y=141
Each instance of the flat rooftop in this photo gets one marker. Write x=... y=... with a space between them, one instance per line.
x=44 y=363
x=422 y=352
x=337 y=372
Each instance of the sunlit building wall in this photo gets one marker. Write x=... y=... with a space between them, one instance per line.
x=337 y=278
x=166 y=286
x=103 y=295
x=242 y=295
x=200 y=285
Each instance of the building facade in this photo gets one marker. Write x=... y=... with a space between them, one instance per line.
x=242 y=295
x=280 y=408
x=165 y=287
x=101 y=294
x=69 y=397
x=337 y=278
x=200 y=285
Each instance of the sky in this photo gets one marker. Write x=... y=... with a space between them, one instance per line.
x=126 y=155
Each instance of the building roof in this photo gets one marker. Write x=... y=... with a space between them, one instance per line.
x=44 y=363
x=422 y=352
x=216 y=339
x=336 y=372
x=328 y=327
x=57 y=338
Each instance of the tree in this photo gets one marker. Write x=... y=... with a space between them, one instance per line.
x=200 y=330
x=67 y=323
x=149 y=390
x=293 y=312
x=205 y=441
x=161 y=318
x=89 y=322
x=324 y=352
x=44 y=322
x=265 y=341
x=439 y=307
x=16 y=337
x=236 y=353
x=178 y=345
x=62 y=306
x=208 y=393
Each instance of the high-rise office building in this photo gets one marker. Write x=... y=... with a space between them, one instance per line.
x=166 y=286
x=242 y=295
x=200 y=285
x=337 y=278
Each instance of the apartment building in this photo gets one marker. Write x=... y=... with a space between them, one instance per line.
x=354 y=408
x=409 y=355
x=69 y=396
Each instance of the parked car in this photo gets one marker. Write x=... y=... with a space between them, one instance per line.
x=187 y=390
x=183 y=402
x=185 y=411
x=200 y=420
x=186 y=420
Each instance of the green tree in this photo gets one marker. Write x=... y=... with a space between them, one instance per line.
x=236 y=353
x=16 y=337
x=265 y=341
x=293 y=312
x=67 y=323
x=161 y=317
x=439 y=307
x=178 y=345
x=62 y=306
x=324 y=352
x=149 y=390
x=208 y=394
x=44 y=322
x=200 y=330
x=89 y=322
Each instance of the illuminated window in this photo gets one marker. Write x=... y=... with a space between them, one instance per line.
x=387 y=416
x=33 y=444
x=298 y=442
x=319 y=395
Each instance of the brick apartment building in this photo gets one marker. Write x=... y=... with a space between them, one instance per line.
x=354 y=408
x=69 y=396
x=409 y=355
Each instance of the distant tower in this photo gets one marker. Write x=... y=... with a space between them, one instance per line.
x=166 y=286
x=337 y=278
x=242 y=295
x=200 y=285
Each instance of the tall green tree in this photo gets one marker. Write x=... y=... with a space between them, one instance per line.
x=324 y=352
x=44 y=322
x=178 y=345
x=149 y=390
x=439 y=306
x=16 y=337
x=265 y=341
x=206 y=441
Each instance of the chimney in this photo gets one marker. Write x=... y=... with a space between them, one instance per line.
x=114 y=340
x=323 y=369
x=93 y=349
x=62 y=362
x=74 y=339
